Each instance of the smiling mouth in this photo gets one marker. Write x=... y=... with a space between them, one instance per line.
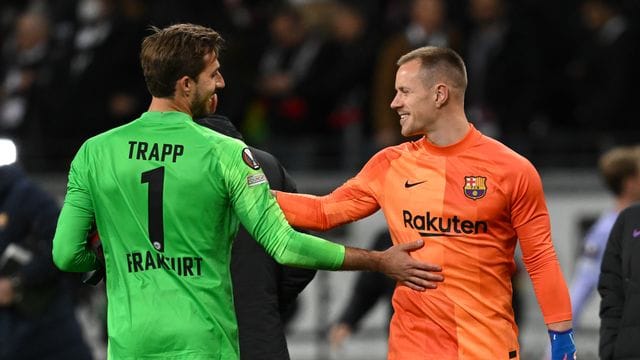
x=213 y=103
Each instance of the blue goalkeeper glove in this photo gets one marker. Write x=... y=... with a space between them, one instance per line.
x=562 y=345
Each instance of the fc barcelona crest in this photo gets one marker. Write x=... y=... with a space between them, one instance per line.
x=475 y=187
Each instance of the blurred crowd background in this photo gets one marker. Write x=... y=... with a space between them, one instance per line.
x=311 y=81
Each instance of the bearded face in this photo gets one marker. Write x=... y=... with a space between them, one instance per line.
x=204 y=98
x=201 y=104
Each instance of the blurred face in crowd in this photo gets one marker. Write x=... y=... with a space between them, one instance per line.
x=413 y=101
x=348 y=24
x=595 y=14
x=428 y=13
x=485 y=11
x=286 y=30
x=31 y=30
x=204 y=99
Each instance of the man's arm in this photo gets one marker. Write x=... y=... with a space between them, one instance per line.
x=263 y=219
x=354 y=200
x=530 y=219
x=321 y=213
x=560 y=326
x=70 y=250
x=397 y=263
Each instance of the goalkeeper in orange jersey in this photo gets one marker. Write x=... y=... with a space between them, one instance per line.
x=471 y=199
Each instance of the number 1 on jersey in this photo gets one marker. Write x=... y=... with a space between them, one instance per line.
x=155 y=179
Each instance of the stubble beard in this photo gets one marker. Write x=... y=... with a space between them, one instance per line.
x=200 y=106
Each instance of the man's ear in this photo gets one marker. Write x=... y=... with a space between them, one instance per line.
x=442 y=95
x=184 y=86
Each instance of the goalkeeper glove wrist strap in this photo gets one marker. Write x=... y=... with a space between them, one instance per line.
x=563 y=346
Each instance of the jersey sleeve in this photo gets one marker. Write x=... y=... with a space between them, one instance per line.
x=70 y=251
x=354 y=200
x=530 y=219
x=260 y=215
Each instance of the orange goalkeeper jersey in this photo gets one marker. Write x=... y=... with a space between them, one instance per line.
x=470 y=202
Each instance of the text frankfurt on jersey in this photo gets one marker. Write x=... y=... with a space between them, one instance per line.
x=429 y=225
x=181 y=265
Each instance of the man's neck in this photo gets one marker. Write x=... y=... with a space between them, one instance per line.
x=624 y=201
x=448 y=131
x=168 y=104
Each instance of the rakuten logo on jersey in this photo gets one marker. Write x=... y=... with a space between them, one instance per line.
x=439 y=226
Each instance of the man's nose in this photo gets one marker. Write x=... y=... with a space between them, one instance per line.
x=220 y=82
x=395 y=103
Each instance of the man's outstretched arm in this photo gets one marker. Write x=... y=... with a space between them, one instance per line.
x=397 y=263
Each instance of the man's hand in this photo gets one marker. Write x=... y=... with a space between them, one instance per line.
x=6 y=292
x=338 y=334
x=398 y=264
x=562 y=345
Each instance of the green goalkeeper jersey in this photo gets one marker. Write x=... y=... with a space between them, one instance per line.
x=167 y=196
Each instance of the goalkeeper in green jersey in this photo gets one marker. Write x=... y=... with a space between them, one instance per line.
x=167 y=196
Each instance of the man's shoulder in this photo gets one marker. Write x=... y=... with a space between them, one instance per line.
x=209 y=134
x=501 y=155
x=263 y=156
x=133 y=129
x=632 y=212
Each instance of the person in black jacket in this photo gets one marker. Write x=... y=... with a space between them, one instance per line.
x=264 y=291
x=619 y=288
x=37 y=311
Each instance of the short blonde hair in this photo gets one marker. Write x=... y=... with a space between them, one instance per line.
x=437 y=62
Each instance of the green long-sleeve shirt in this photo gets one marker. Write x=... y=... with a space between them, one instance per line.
x=167 y=196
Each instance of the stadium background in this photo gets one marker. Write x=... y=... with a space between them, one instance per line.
x=310 y=80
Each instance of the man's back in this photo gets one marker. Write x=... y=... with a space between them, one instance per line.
x=161 y=175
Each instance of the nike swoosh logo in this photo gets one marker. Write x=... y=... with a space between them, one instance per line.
x=636 y=233
x=407 y=184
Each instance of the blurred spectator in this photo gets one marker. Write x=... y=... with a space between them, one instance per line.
x=369 y=289
x=606 y=74
x=343 y=87
x=100 y=84
x=504 y=71
x=620 y=170
x=281 y=118
x=91 y=42
x=37 y=318
x=25 y=78
x=618 y=288
x=428 y=26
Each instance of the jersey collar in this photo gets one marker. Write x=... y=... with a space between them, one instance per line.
x=165 y=116
x=469 y=139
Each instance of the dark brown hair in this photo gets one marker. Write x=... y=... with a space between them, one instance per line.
x=176 y=51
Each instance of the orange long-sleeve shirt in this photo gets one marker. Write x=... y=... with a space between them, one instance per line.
x=470 y=202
